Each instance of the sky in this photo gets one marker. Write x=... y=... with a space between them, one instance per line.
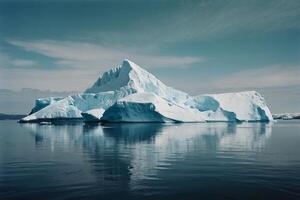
x=195 y=46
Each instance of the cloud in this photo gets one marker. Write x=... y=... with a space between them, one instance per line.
x=272 y=76
x=23 y=63
x=207 y=20
x=64 y=80
x=84 y=55
x=80 y=64
x=204 y=20
x=7 y=61
x=4 y=59
x=251 y=16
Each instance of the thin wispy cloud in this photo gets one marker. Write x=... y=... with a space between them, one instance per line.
x=63 y=80
x=86 y=55
x=245 y=16
x=23 y=63
x=207 y=20
x=78 y=64
x=6 y=61
x=271 y=76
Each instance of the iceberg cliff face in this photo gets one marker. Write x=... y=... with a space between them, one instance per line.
x=129 y=93
x=149 y=107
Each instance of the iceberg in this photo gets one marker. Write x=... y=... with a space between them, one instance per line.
x=129 y=93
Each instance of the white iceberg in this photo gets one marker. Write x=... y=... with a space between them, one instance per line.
x=129 y=93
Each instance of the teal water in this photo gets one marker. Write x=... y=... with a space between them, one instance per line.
x=150 y=161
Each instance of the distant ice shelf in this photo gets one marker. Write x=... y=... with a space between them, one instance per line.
x=286 y=116
x=129 y=93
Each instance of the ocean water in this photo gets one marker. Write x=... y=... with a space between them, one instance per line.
x=150 y=161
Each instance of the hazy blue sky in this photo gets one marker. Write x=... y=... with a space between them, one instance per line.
x=196 y=46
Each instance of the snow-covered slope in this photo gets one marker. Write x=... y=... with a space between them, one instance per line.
x=130 y=93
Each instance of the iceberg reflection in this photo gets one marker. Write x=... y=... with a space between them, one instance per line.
x=142 y=150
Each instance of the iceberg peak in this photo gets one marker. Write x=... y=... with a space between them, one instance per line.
x=130 y=65
x=113 y=79
x=131 y=78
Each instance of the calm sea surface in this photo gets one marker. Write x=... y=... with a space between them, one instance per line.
x=150 y=161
